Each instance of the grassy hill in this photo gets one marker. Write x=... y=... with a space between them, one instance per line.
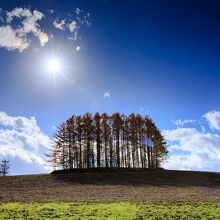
x=152 y=185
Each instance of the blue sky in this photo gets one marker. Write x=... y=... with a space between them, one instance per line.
x=151 y=57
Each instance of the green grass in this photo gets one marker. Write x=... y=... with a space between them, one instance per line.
x=111 y=211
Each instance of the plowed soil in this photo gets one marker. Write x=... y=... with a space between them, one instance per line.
x=159 y=185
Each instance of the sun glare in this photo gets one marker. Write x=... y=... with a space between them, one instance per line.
x=53 y=65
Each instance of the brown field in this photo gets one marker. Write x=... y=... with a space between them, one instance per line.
x=159 y=185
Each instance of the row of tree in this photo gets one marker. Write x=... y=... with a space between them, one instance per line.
x=102 y=140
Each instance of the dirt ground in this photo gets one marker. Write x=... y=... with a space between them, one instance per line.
x=160 y=185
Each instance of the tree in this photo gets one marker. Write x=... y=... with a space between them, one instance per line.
x=88 y=135
x=133 y=140
x=105 y=134
x=97 y=127
x=149 y=132
x=102 y=140
x=117 y=130
x=126 y=136
x=4 y=168
x=79 y=138
x=59 y=147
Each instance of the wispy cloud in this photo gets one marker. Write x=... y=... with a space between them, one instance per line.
x=70 y=25
x=107 y=94
x=67 y=24
x=73 y=23
x=181 y=123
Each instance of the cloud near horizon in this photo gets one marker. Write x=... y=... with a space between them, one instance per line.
x=213 y=118
x=192 y=149
x=22 y=138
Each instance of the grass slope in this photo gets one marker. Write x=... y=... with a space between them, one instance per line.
x=120 y=211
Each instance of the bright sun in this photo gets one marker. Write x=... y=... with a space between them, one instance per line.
x=54 y=65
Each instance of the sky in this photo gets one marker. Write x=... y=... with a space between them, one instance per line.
x=156 y=58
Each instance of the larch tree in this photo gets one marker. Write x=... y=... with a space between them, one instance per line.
x=79 y=138
x=97 y=128
x=109 y=141
x=116 y=126
x=105 y=134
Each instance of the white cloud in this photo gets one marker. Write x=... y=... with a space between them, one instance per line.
x=72 y=26
x=107 y=94
x=78 y=48
x=16 y=35
x=69 y=25
x=16 y=38
x=59 y=25
x=186 y=162
x=21 y=137
x=19 y=13
x=192 y=149
x=10 y=40
x=43 y=38
x=70 y=38
x=190 y=139
x=181 y=123
x=73 y=23
x=213 y=118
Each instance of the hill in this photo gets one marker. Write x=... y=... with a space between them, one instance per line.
x=152 y=185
